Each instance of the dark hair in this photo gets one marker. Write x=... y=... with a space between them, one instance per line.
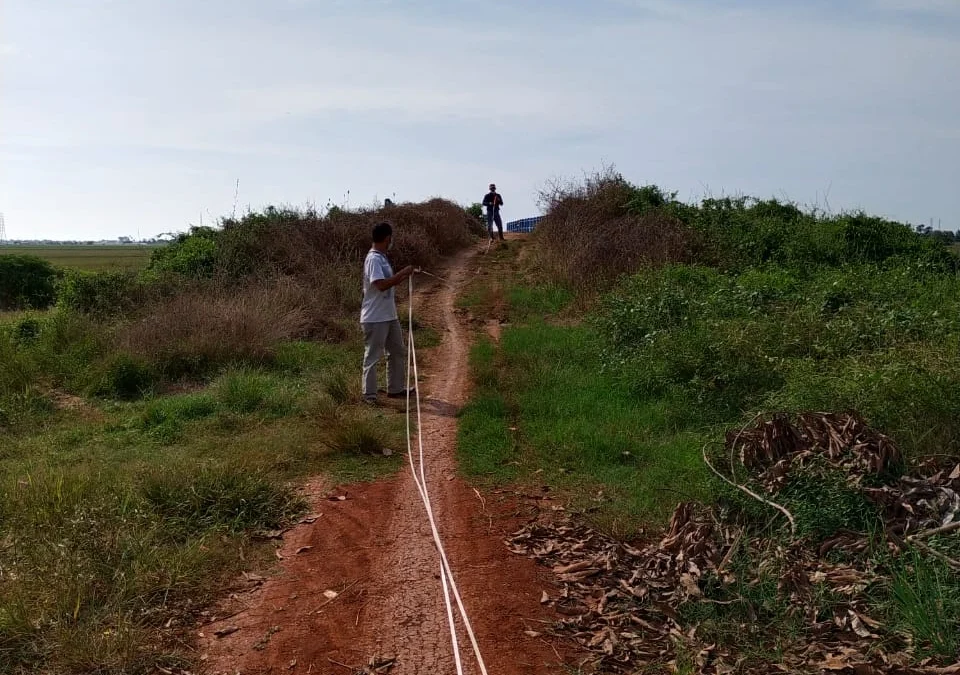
x=381 y=231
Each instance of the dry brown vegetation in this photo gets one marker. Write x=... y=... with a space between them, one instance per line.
x=589 y=237
x=301 y=243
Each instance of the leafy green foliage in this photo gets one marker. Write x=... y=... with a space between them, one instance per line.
x=823 y=503
x=124 y=377
x=192 y=255
x=26 y=282
x=102 y=294
x=596 y=231
x=873 y=338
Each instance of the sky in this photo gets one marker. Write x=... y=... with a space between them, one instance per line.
x=137 y=117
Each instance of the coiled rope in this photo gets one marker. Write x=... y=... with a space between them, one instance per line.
x=446 y=574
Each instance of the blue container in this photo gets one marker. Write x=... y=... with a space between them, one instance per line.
x=524 y=225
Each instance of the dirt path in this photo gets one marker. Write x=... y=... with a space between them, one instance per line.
x=375 y=551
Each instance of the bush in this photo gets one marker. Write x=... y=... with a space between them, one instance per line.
x=192 y=255
x=824 y=339
x=290 y=242
x=102 y=294
x=200 y=332
x=26 y=282
x=594 y=233
x=606 y=227
x=124 y=376
x=26 y=330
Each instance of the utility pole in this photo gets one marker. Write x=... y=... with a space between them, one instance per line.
x=3 y=230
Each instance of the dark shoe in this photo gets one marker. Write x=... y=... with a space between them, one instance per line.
x=403 y=394
x=370 y=399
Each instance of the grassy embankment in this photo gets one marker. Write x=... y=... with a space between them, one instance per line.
x=155 y=423
x=641 y=329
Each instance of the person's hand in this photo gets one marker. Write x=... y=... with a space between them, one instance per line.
x=407 y=271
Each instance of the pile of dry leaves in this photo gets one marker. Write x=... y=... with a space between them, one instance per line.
x=649 y=606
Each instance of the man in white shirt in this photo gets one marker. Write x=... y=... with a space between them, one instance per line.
x=379 y=320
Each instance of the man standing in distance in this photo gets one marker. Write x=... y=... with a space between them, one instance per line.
x=379 y=320
x=493 y=201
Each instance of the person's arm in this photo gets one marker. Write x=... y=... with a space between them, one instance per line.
x=500 y=199
x=386 y=284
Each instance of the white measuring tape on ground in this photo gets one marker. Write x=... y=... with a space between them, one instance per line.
x=446 y=575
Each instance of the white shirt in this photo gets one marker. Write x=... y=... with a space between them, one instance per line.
x=377 y=305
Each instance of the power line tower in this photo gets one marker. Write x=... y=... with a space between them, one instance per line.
x=3 y=230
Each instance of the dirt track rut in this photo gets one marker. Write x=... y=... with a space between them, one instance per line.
x=375 y=549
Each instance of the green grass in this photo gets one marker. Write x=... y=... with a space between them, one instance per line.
x=118 y=517
x=546 y=410
x=486 y=444
x=540 y=300
x=579 y=424
x=924 y=602
x=880 y=340
x=94 y=258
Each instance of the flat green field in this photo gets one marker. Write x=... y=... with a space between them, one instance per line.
x=92 y=257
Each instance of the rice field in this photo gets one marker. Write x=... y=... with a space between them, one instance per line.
x=92 y=257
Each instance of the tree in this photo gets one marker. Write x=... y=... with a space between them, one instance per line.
x=26 y=282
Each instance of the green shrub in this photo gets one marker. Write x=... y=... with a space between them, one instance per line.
x=192 y=255
x=26 y=282
x=124 y=377
x=823 y=503
x=26 y=330
x=101 y=294
x=777 y=337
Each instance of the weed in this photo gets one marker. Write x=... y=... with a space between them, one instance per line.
x=360 y=435
x=246 y=391
x=338 y=387
x=233 y=498
x=125 y=377
x=823 y=503
x=925 y=602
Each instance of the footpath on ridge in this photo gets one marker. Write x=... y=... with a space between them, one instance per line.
x=358 y=581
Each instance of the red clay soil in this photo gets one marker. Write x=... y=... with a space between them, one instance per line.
x=374 y=549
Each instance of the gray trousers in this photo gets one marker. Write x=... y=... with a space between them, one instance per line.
x=379 y=337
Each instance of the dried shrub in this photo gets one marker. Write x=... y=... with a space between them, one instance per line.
x=289 y=242
x=204 y=329
x=593 y=233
